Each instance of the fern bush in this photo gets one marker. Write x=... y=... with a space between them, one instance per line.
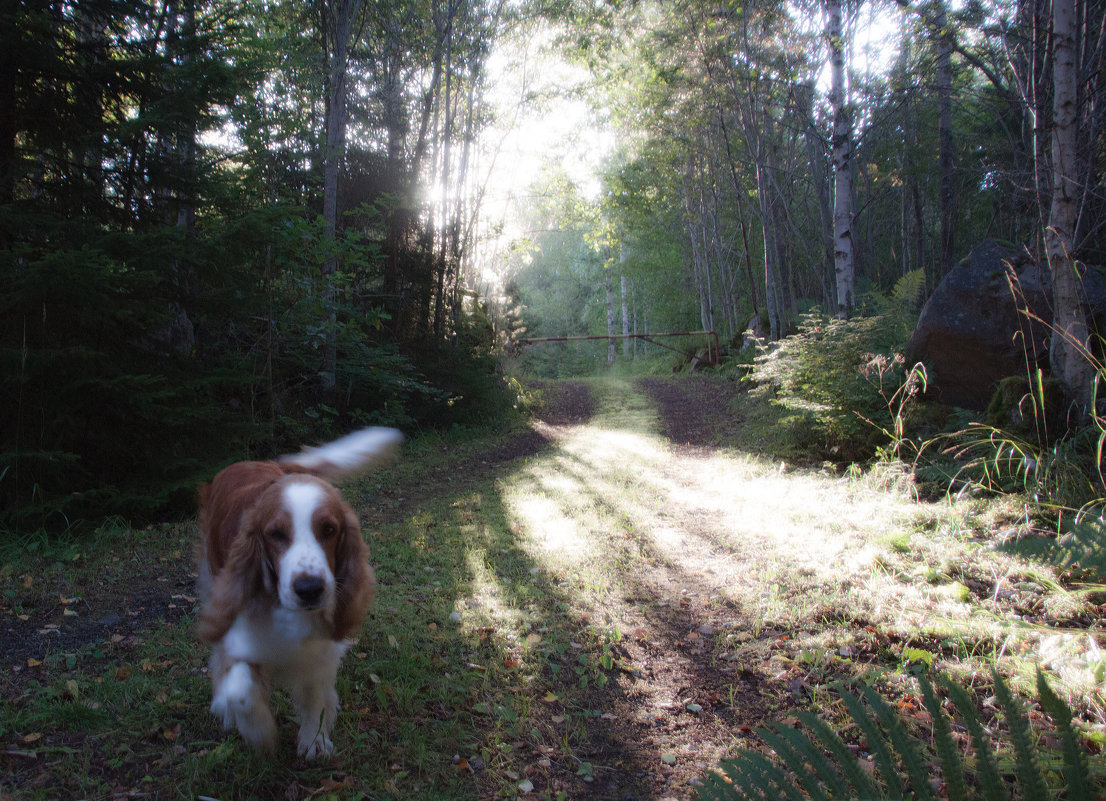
x=817 y=379
x=815 y=763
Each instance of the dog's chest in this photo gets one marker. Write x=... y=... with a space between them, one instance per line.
x=279 y=637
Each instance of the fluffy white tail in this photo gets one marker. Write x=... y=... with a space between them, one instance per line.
x=353 y=453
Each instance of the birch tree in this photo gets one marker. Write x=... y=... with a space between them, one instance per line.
x=842 y=163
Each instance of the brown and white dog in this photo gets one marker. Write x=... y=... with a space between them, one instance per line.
x=284 y=584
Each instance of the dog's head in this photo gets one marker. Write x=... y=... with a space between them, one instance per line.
x=298 y=546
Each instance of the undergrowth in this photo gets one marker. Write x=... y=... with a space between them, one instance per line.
x=893 y=762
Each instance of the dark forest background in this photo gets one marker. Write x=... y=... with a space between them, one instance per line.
x=206 y=252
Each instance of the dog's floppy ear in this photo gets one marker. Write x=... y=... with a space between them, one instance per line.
x=242 y=579
x=354 y=579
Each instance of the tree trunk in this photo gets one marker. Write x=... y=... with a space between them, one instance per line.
x=607 y=285
x=738 y=194
x=339 y=16
x=8 y=73
x=395 y=175
x=447 y=103
x=842 y=164
x=622 y=258
x=944 y=137
x=186 y=137
x=815 y=151
x=1068 y=353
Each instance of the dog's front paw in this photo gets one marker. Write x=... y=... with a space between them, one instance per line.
x=239 y=703
x=314 y=744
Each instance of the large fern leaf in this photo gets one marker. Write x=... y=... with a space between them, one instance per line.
x=986 y=769
x=1075 y=763
x=1029 y=772
x=884 y=760
x=943 y=742
x=814 y=763
x=906 y=746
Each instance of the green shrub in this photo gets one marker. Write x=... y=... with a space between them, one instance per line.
x=823 y=380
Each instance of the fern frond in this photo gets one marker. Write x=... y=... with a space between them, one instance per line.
x=1029 y=772
x=717 y=788
x=742 y=781
x=798 y=758
x=986 y=769
x=862 y=786
x=946 y=748
x=884 y=759
x=910 y=288
x=1075 y=766
x=758 y=772
x=815 y=764
x=906 y=746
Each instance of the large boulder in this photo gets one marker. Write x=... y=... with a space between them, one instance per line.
x=972 y=334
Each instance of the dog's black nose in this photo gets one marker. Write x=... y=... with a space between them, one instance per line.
x=308 y=589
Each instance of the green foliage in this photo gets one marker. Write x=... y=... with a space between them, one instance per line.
x=819 y=764
x=825 y=382
x=167 y=301
x=1080 y=546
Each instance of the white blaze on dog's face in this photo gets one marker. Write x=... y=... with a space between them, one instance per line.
x=305 y=570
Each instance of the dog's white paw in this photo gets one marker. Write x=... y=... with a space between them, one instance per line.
x=314 y=744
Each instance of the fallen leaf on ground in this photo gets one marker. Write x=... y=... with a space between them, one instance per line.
x=338 y=782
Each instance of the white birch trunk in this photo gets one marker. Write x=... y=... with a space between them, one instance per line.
x=842 y=164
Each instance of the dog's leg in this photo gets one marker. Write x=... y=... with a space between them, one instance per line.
x=241 y=700
x=316 y=705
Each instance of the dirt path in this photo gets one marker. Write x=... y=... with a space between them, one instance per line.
x=705 y=564
x=731 y=590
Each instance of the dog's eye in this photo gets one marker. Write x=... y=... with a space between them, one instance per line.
x=328 y=530
x=278 y=535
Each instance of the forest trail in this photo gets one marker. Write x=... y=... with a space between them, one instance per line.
x=727 y=589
